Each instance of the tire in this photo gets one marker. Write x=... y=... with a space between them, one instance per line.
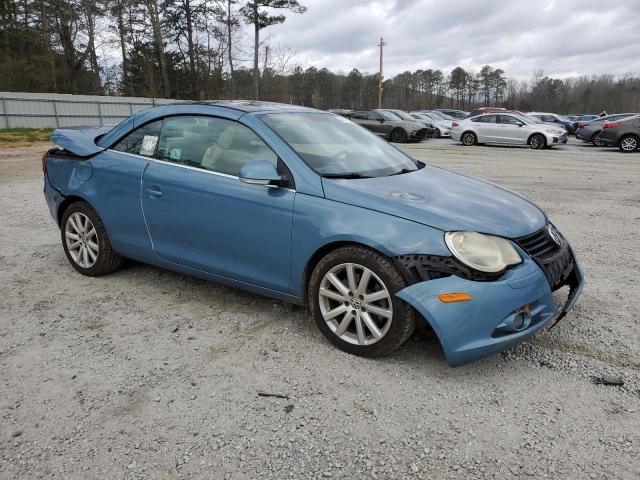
x=595 y=140
x=438 y=133
x=537 y=141
x=469 y=138
x=349 y=329
x=398 y=135
x=79 y=237
x=629 y=143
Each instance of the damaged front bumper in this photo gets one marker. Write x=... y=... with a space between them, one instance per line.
x=489 y=322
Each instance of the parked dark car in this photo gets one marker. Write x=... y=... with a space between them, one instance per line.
x=457 y=114
x=624 y=134
x=582 y=119
x=389 y=125
x=590 y=131
x=431 y=129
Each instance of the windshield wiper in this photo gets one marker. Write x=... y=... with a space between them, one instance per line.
x=403 y=171
x=345 y=175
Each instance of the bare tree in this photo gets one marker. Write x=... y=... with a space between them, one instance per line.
x=254 y=14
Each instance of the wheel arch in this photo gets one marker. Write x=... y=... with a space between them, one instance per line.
x=66 y=203
x=537 y=133
x=401 y=129
x=324 y=250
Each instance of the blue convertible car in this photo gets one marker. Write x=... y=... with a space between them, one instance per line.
x=308 y=207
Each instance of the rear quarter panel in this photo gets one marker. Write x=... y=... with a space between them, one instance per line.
x=110 y=182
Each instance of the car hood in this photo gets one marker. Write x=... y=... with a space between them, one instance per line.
x=442 y=199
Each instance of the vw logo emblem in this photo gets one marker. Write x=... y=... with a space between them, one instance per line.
x=355 y=303
x=555 y=236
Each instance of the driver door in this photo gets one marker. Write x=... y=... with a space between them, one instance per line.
x=200 y=215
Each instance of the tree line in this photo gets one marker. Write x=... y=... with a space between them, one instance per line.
x=200 y=49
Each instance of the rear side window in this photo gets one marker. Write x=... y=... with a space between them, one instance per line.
x=486 y=119
x=142 y=141
x=210 y=143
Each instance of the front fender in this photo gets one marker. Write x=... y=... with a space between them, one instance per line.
x=318 y=222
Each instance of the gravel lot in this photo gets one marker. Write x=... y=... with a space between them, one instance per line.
x=149 y=374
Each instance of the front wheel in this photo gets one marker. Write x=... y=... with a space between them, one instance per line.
x=537 y=141
x=352 y=299
x=629 y=143
x=398 y=136
x=86 y=243
x=469 y=138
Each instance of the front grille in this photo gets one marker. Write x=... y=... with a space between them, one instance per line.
x=555 y=260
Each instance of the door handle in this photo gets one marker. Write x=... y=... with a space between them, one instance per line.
x=153 y=192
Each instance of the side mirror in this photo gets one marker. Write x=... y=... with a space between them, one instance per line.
x=520 y=124
x=260 y=172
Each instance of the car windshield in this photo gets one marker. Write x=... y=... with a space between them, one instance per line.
x=443 y=115
x=563 y=118
x=402 y=115
x=334 y=146
x=387 y=115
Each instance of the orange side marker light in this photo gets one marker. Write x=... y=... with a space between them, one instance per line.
x=454 y=297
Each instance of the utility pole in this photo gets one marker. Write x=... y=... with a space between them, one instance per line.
x=380 y=77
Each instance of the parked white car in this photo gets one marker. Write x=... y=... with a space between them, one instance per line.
x=442 y=126
x=507 y=128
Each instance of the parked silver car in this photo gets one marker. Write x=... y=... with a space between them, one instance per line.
x=443 y=127
x=507 y=128
x=590 y=131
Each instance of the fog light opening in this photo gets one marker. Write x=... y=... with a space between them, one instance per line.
x=519 y=321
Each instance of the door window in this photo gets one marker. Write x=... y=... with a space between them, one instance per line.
x=486 y=119
x=509 y=120
x=142 y=141
x=210 y=143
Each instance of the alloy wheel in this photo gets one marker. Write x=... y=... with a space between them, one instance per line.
x=82 y=240
x=629 y=144
x=356 y=304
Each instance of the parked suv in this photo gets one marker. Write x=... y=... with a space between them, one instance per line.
x=389 y=125
x=507 y=128
x=624 y=134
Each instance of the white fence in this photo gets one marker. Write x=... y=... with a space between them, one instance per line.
x=53 y=110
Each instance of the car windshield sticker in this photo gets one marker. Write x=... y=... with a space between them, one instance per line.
x=149 y=143
x=175 y=154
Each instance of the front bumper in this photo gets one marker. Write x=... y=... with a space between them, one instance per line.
x=556 y=138
x=478 y=328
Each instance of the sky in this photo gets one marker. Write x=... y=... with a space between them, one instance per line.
x=564 y=38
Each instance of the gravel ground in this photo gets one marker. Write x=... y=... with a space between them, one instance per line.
x=149 y=374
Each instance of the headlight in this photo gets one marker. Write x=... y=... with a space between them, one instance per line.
x=485 y=253
x=553 y=132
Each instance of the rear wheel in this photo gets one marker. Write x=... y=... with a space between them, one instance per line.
x=469 y=138
x=86 y=243
x=398 y=135
x=352 y=299
x=595 y=140
x=629 y=143
x=537 y=141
